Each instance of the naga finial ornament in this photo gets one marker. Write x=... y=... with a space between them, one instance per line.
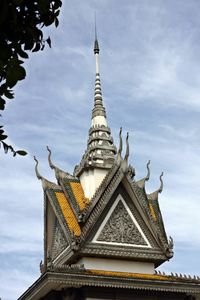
x=52 y=166
x=141 y=182
x=127 y=148
x=120 y=142
x=161 y=184
x=36 y=168
x=154 y=196
x=148 y=171
x=119 y=153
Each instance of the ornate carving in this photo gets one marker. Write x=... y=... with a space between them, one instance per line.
x=60 y=242
x=75 y=242
x=120 y=228
x=169 y=248
x=101 y=196
x=131 y=171
x=159 y=226
x=112 y=251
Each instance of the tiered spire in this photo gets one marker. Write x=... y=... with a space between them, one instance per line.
x=98 y=109
x=100 y=152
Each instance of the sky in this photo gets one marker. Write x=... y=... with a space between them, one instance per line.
x=149 y=66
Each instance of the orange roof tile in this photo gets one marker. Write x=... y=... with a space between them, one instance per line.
x=152 y=211
x=79 y=194
x=128 y=275
x=68 y=213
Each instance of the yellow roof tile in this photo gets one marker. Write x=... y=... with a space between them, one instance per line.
x=79 y=194
x=68 y=213
x=152 y=211
x=128 y=275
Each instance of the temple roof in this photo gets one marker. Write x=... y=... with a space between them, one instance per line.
x=83 y=221
x=78 y=277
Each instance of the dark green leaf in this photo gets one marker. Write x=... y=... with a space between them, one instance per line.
x=3 y=88
x=14 y=74
x=28 y=44
x=56 y=22
x=5 y=147
x=6 y=52
x=49 y=41
x=3 y=137
x=56 y=13
x=21 y=152
x=2 y=103
x=37 y=47
x=57 y=4
x=21 y=22
x=21 y=73
x=43 y=6
x=42 y=47
x=9 y=94
x=22 y=53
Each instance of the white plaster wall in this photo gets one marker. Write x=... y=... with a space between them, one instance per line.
x=90 y=181
x=97 y=62
x=99 y=120
x=117 y=265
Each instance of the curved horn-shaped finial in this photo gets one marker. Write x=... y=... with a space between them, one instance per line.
x=58 y=172
x=169 y=248
x=154 y=196
x=119 y=152
x=52 y=166
x=148 y=171
x=45 y=183
x=171 y=242
x=124 y=162
x=127 y=148
x=120 y=142
x=161 y=184
x=36 y=169
x=141 y=182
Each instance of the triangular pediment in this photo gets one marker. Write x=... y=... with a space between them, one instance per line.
x=116 y=223
x=57 y=237
x=120 y=227
x=119 y=224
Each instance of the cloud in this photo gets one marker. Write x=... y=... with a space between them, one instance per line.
x=149 y=55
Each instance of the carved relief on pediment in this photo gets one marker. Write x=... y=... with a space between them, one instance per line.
x=121 y=228
x=59 y=242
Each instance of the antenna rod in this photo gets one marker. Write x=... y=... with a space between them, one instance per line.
x=95 y=25
x=96 y=44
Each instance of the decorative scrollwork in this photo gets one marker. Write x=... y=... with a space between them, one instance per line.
x=60 y=242
x=120 y=228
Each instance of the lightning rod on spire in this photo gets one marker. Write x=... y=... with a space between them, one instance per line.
x=96 y=44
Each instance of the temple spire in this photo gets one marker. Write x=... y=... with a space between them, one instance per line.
x=100 y=154
x=98 y=110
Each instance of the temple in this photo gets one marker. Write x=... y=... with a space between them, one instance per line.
x=104 y=236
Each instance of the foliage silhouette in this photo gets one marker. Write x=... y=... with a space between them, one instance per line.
x=21 y=23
